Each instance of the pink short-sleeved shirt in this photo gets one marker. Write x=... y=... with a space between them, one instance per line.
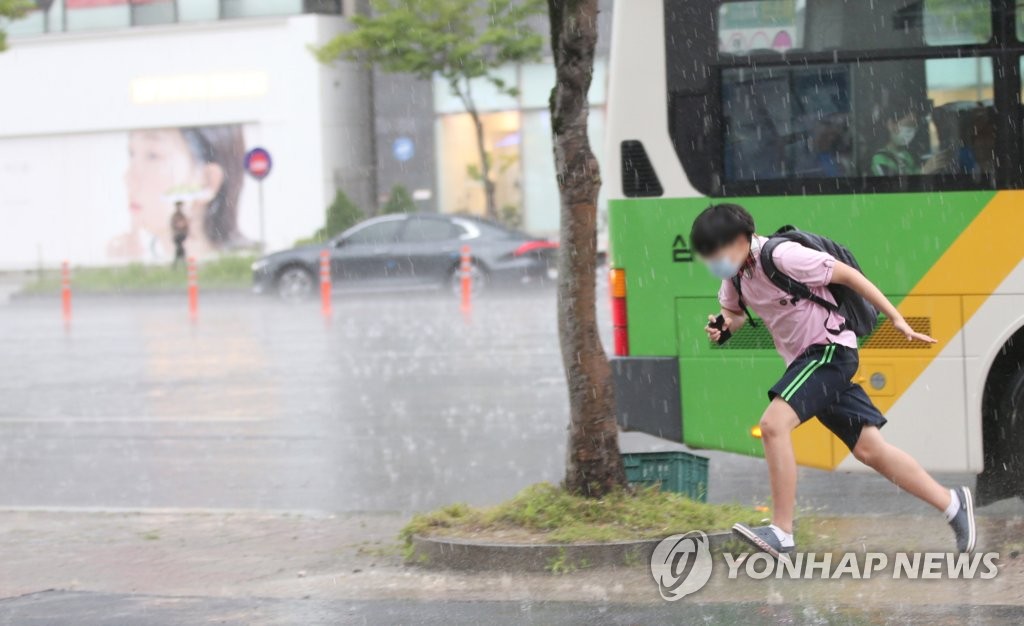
x=794 y=327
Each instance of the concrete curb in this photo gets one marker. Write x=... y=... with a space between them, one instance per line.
x=475 y=556
x=169 y=294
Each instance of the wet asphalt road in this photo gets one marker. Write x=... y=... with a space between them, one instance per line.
x=397 y=404
x=88 y=609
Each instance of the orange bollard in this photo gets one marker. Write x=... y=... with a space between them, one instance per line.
x=466 y=273
x=193 y=290
x=65 y=291
x=325 y=283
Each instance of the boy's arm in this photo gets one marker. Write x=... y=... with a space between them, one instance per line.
x=729 y=301
x=734 y=320
x=843 y=274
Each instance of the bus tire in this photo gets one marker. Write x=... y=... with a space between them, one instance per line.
x=1003 y=425
x=1011 y=416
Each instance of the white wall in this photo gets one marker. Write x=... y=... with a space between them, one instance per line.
x=69 y=101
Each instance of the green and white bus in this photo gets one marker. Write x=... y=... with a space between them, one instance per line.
x=893 y=126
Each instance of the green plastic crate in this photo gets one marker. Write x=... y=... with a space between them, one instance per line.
x=677 y=471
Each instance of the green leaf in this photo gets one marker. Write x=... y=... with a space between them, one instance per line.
x=457 y=39
x=12 y=10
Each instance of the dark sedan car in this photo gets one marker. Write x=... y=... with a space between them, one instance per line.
x=410 y=252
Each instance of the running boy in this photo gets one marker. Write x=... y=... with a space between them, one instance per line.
x=821 y=358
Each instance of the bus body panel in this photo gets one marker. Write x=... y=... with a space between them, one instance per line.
x=638 y=81
x=922 y=389
x=951 y=259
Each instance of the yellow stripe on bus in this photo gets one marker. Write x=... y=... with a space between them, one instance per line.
x=977 y=262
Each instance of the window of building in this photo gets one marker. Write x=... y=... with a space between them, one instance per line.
x=80 y=15
x=198 y=10
x=31 y=24
x=327 y=7
x=458 y=161
x=150 y=12
x=259 y=8
x=97 y=14
x=537 y=79
x=486 y=96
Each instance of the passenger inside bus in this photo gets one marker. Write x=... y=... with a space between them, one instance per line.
x=830 y=144
x=755 y=146
x=896 y=158
x=976 y=157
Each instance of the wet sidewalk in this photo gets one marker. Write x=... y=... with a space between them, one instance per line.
x=249 y=567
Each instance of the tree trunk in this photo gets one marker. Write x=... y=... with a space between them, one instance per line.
x=485 y=164
x=594 y=465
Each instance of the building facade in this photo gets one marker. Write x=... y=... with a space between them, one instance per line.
x=517 y=135
x=116 y=110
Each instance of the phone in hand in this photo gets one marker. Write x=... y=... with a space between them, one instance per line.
x=718 y=324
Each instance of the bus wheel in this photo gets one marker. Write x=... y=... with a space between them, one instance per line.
x=1003 y=435
x=1011 y=414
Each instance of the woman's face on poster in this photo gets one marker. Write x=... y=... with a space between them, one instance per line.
x=160 y=164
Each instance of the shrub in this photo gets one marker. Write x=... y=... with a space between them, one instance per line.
x=400 y=201
x=341 y=215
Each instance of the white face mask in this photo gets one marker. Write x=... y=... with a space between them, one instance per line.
x=904 y=135
x=723 y=267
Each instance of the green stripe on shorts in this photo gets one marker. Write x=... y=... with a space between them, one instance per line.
x=826 y=357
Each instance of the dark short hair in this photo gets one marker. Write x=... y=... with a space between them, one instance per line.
x=719 y=225
x=898 y=111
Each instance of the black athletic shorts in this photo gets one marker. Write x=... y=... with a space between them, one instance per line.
x=818 y=383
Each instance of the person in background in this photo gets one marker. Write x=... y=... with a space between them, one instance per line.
x=831 y=146
x=896 y=159
x=976 y=156
x=179 y=231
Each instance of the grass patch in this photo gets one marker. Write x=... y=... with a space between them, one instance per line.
x=544 y=513
x=229 y=272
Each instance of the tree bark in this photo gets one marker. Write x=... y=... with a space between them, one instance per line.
x=594 y=465
x=485 y=165
x=466 y=96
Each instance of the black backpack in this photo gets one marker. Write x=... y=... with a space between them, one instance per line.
x=860 y=315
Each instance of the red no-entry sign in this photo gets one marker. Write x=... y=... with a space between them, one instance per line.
x=258 y=163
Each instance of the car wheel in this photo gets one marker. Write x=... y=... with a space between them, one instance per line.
x=294 y=283
x=477 y=277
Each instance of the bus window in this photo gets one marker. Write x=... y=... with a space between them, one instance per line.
x=786 y=122
x=753 y=26
x=914 y=117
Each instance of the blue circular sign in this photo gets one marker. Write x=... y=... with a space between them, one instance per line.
x=258 y=163
x=403 y=148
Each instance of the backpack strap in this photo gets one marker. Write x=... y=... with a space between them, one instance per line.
x=743 y=305
x=787 y=283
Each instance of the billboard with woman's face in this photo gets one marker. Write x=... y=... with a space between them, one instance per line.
x=108 y=198
x=200 y=167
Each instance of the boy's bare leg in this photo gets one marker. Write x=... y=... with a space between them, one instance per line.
x=777 y=426
x=899 y=467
